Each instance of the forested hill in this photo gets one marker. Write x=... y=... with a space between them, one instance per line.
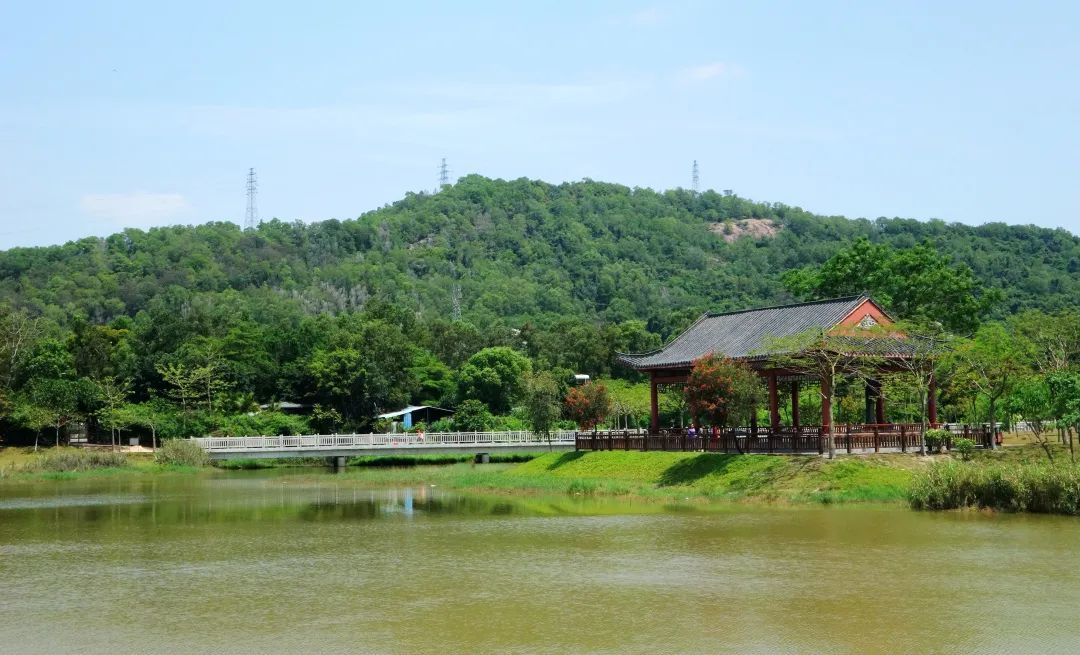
x=511 y=252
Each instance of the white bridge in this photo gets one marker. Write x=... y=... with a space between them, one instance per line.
x=348 y=445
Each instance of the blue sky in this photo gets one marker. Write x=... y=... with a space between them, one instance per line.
x=141 y=114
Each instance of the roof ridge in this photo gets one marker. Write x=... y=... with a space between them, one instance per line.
x=794 y=304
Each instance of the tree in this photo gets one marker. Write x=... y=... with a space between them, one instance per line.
x=823 y=355
x=924 y=345
x=721 y=391
x=31 y=416
x=1030 y=400
x=588 y=405
x=18 y=333
x=1054 y=345
x=494 y=376
x=150 y=415
x=365 y=369
x=59 y=398
x=184 y=382
x=917 y=283
x=472 y=416
x=540 y=401
x=990 y=363
x=113 y=395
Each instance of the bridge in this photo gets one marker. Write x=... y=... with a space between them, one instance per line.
x=352 y=445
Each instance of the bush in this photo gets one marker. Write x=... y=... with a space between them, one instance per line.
x=935 y=439
x=62 y=461
x=1041 y=488
x=965 y=447
x=181 y=452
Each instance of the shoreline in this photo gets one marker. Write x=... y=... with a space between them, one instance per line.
x=782 y=480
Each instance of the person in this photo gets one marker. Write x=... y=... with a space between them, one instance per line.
x=691 y=435
x=420 y=435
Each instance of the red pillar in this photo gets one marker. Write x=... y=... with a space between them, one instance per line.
x=931 y=401
x=774 y=404
x=654 y=405
x=795 y=404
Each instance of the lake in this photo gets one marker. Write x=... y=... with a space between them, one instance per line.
x=290 y=562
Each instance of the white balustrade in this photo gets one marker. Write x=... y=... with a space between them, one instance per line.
x=316 y=442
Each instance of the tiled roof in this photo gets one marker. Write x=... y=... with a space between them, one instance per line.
x=744 y=334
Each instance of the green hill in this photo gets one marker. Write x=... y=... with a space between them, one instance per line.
x=521 y=251
x=370 y=313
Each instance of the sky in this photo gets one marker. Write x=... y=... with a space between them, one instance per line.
x=136 y=114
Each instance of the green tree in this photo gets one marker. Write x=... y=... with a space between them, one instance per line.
x=990 y=364
x=1029 y=398
x=59 y=398
x=540 y=402
x=472 y=416
x=825 y=356
x=915 y=283
x=494 y=376
x=113 y=395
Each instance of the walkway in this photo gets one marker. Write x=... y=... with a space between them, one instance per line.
x=350 y=445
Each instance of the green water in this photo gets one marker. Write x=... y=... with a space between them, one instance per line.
x=258 y=562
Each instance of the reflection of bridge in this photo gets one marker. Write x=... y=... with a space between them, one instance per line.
x=350 y=445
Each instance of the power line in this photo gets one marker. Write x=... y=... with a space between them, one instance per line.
x=251 y=218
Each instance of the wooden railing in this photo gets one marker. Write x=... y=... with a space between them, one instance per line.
x=804 y=439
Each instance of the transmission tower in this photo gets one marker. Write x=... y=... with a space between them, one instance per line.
x=695 y=182
x=251 y=218
x=444 y=174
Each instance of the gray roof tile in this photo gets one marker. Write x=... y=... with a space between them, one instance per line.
x=743 y=334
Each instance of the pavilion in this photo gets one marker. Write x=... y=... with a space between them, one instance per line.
x=746 y=336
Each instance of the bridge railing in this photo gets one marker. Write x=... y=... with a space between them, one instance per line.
x=376 y=441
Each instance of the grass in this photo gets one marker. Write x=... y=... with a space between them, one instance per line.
x=1038 y=487
x=881 y=478
x=1017 y=478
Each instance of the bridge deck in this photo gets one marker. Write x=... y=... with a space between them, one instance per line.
x=345 y=445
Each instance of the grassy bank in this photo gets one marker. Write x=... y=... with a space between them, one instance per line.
x=670 y=475
x=1012 y=479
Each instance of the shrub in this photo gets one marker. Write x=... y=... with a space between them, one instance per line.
x=62 y=461
x=181 y=452
x=965 y=447
x=1041 y=488
x=935 y=439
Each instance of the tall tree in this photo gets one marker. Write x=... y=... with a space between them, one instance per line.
x=825 y=356
x=990 y=363
x=494 y=376
x=915 y=283
x=540 y=401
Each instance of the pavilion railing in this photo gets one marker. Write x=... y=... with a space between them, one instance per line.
x=871 y=437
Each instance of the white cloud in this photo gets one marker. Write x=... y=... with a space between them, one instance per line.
x=717 y=69
x=139 y=208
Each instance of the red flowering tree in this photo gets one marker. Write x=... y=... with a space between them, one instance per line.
x=722 y=391
x=588 y=405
